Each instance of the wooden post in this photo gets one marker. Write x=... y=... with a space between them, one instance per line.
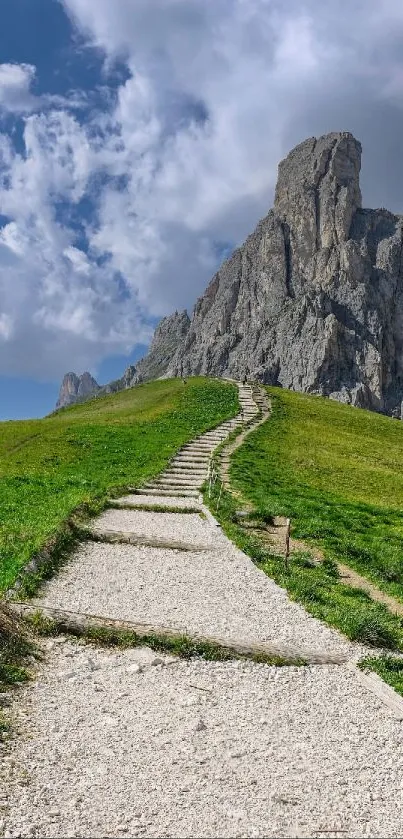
x=287 y=545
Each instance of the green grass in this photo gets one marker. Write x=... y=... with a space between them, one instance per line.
x=77 y=458
x=317 y=587
x=15 y=646
x=17 y=649
x=390 y=669
x=336 y=471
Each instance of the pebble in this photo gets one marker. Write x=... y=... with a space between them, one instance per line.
x=134 y=668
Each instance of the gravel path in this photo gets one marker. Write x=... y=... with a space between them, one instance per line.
x=211 y=592
x=186 y=527
x=160 y=501
x=130 y=743
x=114 y=745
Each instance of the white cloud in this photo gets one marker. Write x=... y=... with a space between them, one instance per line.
x=184 y=156
x=16 y=97
x=79 y=260
x=15 y=84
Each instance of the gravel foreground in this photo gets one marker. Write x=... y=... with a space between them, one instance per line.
x=132 y=743
x=211 y=592
x=127 y=743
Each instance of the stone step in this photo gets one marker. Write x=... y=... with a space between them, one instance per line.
x=181 y=489
x=184 y=476
x=189 y=481
x=176 y=482
x=166 y=503
x=199 y=466
x=127 y=537
x=200 y=446
x=190 y=462
x=203 y=457
x=173 y=489
x=179 y=476
x=201 y=451
x=216 y=441
x=162 y=493
x=184 y=471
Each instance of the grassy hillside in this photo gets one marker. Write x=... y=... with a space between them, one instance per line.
x=336 y=471
x=51 y=466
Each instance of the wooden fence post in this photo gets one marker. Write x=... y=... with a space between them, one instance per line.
x=287 y=545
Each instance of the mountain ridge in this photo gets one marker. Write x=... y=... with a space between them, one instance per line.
x=313 y=299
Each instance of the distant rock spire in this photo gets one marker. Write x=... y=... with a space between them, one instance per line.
x=168 y=338
x=76 y=388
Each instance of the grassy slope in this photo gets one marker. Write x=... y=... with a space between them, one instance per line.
x=336 y=472
x=317 y=587
x=51 y=466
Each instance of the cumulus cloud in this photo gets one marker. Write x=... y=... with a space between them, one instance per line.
x=119 y=216
x=15 y=84
x=16 y=97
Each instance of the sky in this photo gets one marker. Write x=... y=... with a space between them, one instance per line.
x=139 y=144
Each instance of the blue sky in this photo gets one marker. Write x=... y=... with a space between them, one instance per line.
x=139 y=143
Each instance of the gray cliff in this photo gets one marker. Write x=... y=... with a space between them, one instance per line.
x=76 y=389
x=313 y=300
x=168 y=338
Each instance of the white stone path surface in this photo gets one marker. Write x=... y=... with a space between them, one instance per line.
x=130 y=743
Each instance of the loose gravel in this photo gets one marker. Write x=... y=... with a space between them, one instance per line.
x=134 y=744
x=162 y=501
x=211 y=592
x=185 y=527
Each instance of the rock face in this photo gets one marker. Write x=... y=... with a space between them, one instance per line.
x=76 y=389
x=313 y=300
x=168 y=337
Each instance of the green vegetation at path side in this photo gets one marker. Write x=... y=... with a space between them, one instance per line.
x=50 y=467
x=390 y=669
x=336 y=472
x=317 y=587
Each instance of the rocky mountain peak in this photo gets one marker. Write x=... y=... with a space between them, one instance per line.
x=76 y=388
x=313 y=300
x=318 y=190
x=171 y=328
